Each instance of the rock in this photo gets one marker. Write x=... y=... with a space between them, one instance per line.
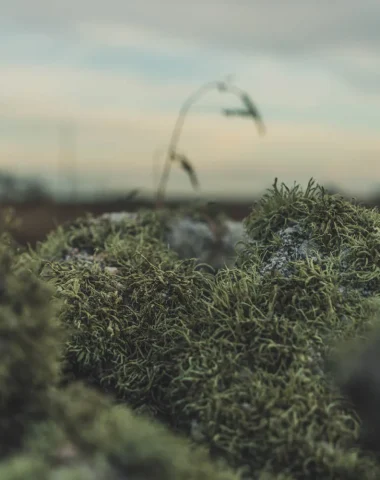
x=191 y=238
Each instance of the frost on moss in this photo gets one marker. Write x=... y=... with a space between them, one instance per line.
x=235 y=361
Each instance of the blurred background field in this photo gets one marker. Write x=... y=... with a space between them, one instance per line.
x=37 y=219
x=39 y=212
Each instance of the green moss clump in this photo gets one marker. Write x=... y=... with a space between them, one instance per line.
x=331 y=218
x=256 y=388
x=88 y=234
x=355 y=368
x=89 y=437
x=49 y=432
x=123 y=310
x=236 y=361
x=30 y=341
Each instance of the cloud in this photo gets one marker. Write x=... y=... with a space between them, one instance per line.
x=58 y=92
x=135 y=38
x=88 y=96
x=273 y=26
x=356 y=67
x=337 y=36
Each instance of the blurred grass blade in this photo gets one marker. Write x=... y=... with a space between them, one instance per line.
x=238 y=112
x=188 y=168
x=249 y=111
x=251 y=108
x=132 y=194
x=223 y=86
x=229 y=112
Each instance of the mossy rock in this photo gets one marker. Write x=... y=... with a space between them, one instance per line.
x=236 y=361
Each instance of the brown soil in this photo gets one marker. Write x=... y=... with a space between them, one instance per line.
x=38 y=219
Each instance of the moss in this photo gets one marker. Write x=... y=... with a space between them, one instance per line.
x=30 y=340
x=355 y=367
x=24 y=467
x=50 y=432
x=254 y=387
x=89 y=235
x=330 y=218
x=237 y=361
x=88 y=437
x=122 y=309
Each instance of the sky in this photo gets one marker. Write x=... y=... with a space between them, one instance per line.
x=91 y=90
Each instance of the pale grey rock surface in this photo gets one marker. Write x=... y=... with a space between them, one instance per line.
x=195 y=239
